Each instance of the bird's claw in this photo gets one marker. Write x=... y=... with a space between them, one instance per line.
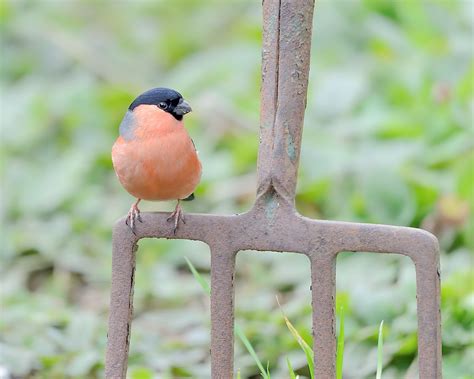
x=176 y=215
x=133 y=216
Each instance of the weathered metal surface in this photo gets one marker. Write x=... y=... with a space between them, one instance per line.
x=273 y=223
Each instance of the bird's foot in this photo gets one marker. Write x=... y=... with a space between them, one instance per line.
x=177 y=215
x=133 y=216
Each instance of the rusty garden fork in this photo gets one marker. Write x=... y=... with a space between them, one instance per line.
x=273 y=224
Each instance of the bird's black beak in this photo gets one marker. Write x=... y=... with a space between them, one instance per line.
x=182 y=108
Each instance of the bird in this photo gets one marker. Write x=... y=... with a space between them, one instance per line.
x=154 y=157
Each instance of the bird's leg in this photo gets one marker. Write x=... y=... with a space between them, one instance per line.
x=133 y=215
x=177 y=215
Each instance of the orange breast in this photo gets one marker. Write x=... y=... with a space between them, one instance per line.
x=160 y=162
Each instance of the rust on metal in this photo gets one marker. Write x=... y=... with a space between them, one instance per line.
x=273 y=224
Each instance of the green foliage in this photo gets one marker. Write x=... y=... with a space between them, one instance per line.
x=202 y=282
x=380 y=353
x=388 y=138
x=308 y=351
x=239 y=333
x=340 y=345
x=290 y=369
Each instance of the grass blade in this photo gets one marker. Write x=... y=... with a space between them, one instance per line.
x=240 y=334
x=380 y=352
x=237 y=330
x=290 y=369
x=198 y=277
x=340 y=346
x=304 y=346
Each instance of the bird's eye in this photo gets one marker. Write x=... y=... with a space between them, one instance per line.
x=163 y=105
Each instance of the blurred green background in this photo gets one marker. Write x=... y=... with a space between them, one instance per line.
x=388 y=138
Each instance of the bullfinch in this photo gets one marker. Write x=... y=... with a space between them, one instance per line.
x=154 y=157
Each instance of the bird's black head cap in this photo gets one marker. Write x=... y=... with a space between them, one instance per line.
x=166 y=99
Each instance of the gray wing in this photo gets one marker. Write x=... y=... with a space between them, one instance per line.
x=128 y=125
